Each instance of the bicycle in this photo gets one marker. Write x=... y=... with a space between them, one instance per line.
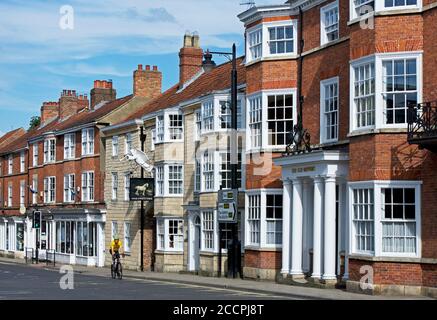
x=116 y=267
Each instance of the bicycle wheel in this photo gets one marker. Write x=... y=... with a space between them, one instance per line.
x=120 y=271
x=113 y=275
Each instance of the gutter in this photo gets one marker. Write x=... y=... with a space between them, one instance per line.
x=122 y=125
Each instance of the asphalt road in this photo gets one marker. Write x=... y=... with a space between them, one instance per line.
x=21 y=282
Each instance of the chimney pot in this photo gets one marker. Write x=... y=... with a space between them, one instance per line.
x=148 y=67
x=155 y=68
x=140 y=67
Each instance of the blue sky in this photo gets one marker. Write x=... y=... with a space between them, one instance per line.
x=38 y=59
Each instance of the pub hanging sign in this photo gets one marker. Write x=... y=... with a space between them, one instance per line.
x=141 y=189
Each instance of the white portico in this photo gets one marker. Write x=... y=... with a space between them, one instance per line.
x=314 y=214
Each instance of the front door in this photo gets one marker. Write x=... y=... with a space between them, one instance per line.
x=196 y=251
x=43 y=239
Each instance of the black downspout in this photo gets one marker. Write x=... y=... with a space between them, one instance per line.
x=142 y=138
x=300 y=70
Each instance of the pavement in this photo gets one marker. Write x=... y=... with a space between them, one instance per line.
x=21 y=281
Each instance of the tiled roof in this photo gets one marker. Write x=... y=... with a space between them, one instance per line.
x=217 y=79
x=81 y=118
x=10 y=136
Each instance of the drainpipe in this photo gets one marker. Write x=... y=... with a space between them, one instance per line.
x=300 y=70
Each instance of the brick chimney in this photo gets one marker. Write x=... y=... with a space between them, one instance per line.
x=71 y=103
x=49 y=110
x=190 y=58
x=147 y=82
x=102 y=91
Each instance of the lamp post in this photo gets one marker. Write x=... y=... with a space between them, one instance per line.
x=232 y=56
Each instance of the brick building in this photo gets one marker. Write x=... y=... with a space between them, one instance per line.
x=57 y=169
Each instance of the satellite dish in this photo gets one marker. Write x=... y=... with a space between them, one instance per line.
x=140 y=158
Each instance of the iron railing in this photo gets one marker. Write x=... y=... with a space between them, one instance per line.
x=422 y=123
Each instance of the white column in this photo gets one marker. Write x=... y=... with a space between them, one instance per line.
x=330 y=240
x=317 y=228
x=286 y=218
x=296 y=233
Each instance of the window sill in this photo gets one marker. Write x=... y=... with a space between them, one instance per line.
x=169 y=251
x=273 y=58
x=412 y=259
x=258 y=248
x=361 y=132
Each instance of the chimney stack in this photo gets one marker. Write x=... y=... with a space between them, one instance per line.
x=190 y=58
x=49 y=110
x=71 y=103
x=102 y=91
x=147 y=82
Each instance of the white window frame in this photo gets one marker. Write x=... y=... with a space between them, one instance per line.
x=197 y=175
x=127 y=237
x=162 y=179
x=197 y=124
x=254 y=43
x=22 y=193
x=50 y=189
x=35 y=189
x=153 y=139
x=162 y=126
x=160 y=131
x=127 y=142
x=379 y=6
x=22 y=161
x=88 y=186
x=323 y=114
x=323 y=27
x=378 y=60
x=114 y=186
x=208 y=180
x=50 y=150
x=69 y=186
x=114 y=229
x=10 y=164
x=262 y=218
x=35 y=152
x=87 y=141
x=265 y=49
x=115 y=146
x=126 y=186
x=175 y=133
x=163 y=236
x=211 y=230
x=377 y=186
x=10 y=195
x=208 y=116
x=264 y=118
x=70 y=146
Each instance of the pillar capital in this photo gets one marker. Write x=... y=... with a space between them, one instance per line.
x=330 y=178
x=296 y=180
x=319 y=179
x=286 y=182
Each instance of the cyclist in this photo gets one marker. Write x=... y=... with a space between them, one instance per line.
x=114 y=250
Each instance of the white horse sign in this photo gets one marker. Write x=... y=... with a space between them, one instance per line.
x=141 y=189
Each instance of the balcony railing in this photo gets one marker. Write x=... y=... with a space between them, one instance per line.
x=422 y=125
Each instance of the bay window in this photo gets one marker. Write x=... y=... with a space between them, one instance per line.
x=208 y=171
x=175 y=126
x=170 y=234
x=329 y=102
x=198 y=124
x=88 y=141
x=225 y=170
x=69 y=146
x=169 y=126
x=280 y=118
x=160 y=128
x=208 y=116
x=169 y=180
x=383 y=86
x=264 y=218
x=281 y=39
x=255 y=121
x=385 y=218
x=255 y=44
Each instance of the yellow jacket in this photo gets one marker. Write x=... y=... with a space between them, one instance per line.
x=115 y=246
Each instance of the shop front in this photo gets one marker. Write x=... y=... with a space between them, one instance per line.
x=69 y=236
x=12 y=236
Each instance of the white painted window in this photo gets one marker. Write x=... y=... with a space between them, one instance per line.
x=274 y=219
x=114 y=146
x=175 y=179
x=22 y=161
x=114 y=185
x=170 y=234
x=280 y=118
x=35 y=154
x=88 y=141
x=50 y=190
x=362 y=7
x=175 y=126
x=153 y=140
x=126 y=186
x=281 y=39
x=225 y=170
x=159 y=176
x=365 y=7
x=160 y=128
x=385 y=217
x=34 y=190
x=207 y=224
x=127 y=142
x=69 y=146
x=363 y=219
x=69 y=188
x=127 y=237
x=197 y=176
x=208 y=116
x=399 y=3
x=49 y=150
x=383 y=85
x=364 y=95
x=208 y=170
x=198 y=124
x=329 y=101
x=255 y=121
x=88 y=186
x=225 y=114
x=255 y=44
x=114 y=229
x=22 y=193
x=254 y=219
x=10 y=164
x=329 y=23
x=399 y=88
x=10 y=195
